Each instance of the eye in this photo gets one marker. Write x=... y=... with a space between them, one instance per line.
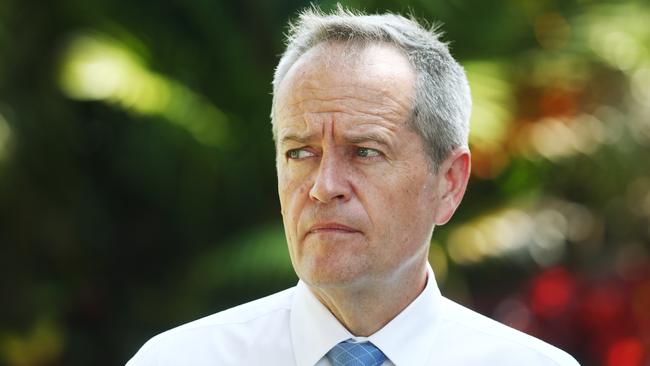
x=366 y=152
x=298 y=154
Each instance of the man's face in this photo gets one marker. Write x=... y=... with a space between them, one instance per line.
x=357 y=192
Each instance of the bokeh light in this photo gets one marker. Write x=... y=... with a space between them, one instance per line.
x=96 y=67
x=5 y=137
x=43 y=345
x=626 y=352
x=552 y=292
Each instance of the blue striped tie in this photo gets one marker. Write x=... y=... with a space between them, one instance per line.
x=349 y=353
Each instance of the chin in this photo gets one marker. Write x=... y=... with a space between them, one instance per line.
x=332 y=275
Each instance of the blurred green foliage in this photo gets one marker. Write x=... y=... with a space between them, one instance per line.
x=137 y=174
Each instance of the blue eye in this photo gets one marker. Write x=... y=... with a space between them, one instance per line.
x=366 y=152
x=298 y=154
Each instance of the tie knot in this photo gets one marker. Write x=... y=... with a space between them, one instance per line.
x=350 y=353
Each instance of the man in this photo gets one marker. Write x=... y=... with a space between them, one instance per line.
x=370 y=118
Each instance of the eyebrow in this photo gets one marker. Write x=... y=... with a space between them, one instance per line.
x=349 y=138
x=301 y=139
x=365 y=137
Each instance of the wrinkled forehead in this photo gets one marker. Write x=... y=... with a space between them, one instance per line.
x=376 y=73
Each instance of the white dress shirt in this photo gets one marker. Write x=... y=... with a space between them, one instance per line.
x=293 y=328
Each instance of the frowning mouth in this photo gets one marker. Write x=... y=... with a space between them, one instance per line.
x=331 y=227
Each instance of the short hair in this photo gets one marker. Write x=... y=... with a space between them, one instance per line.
x=442 y=102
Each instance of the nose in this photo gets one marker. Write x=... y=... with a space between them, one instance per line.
x=331 y=181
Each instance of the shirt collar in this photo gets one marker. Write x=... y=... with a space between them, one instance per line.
x=314 y=330
x=405 y=340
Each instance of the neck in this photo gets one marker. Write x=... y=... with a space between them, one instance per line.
x=364 y=309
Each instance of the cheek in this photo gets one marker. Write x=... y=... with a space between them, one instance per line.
x=293 y=194
x=407 y=209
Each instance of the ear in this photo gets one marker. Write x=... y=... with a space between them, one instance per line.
x=452 y=177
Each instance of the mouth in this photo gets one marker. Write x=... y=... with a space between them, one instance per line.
x=331 y=228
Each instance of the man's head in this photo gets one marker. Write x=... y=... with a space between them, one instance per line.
x=442 y=102
x=359 y=118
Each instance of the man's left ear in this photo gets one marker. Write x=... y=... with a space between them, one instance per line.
x=452 y=177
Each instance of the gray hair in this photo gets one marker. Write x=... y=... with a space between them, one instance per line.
x=442 y=105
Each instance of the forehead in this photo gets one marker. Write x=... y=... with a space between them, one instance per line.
x=368 y=81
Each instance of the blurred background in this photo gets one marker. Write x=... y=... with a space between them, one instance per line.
x=138 y=189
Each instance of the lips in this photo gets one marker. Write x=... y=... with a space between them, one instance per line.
x=331 y=227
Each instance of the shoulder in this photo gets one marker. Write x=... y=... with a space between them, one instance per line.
x=234 y=329
x=492 y=340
